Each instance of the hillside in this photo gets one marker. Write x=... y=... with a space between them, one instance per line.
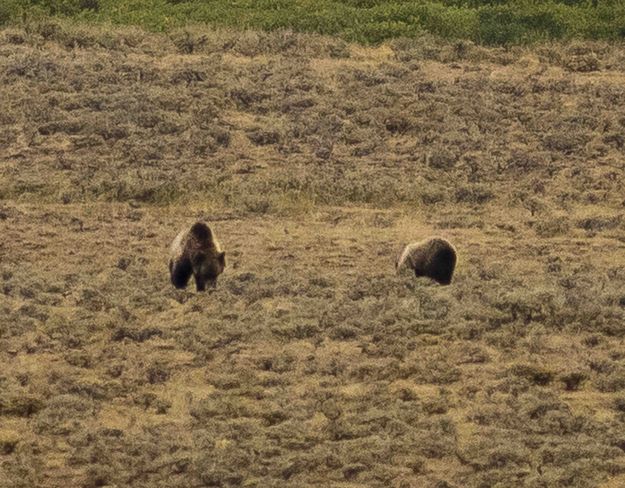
x=312 y=364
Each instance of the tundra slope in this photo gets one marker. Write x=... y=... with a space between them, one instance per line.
x=312 y=363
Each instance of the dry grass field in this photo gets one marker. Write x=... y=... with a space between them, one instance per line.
x=312 y=363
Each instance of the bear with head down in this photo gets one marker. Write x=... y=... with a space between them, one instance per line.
x=196 y=252
x=434 y=257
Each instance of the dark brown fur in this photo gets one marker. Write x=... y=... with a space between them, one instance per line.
x=196 y=252
x=434 y=257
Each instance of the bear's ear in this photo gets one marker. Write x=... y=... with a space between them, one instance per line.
x=222 y=258
x=201 y=232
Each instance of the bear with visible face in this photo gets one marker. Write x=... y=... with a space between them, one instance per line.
x=196 y=252
x=434 y=257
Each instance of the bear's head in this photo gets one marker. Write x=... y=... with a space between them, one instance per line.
x=207 y=267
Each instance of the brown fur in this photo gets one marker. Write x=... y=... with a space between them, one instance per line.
x=196 y=252
x=434 y=257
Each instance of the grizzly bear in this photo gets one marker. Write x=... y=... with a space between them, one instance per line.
x=434 y=257
x=196 y=252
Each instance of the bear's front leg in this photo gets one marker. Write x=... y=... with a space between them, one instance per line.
x=200 y=284
x=180 y=273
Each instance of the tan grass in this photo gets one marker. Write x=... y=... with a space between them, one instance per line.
x=312 y=363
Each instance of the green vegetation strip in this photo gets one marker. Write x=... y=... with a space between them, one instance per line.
x=493 y=22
